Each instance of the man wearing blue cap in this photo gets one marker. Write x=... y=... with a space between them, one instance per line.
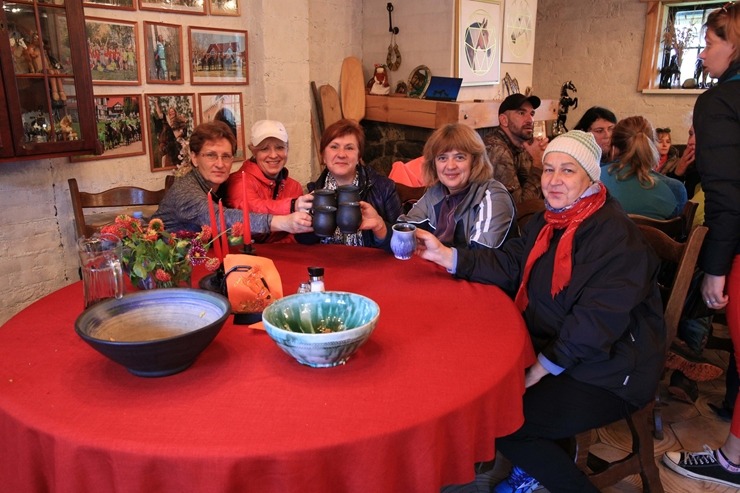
x=516 y=158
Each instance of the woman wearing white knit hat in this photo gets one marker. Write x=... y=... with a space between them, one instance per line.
x=585 y=280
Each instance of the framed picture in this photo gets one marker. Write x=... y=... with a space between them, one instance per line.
x=226 y=107
x=520 y=17
x=478 y=35
x=163 y=53
x=223 y=7
x=120 y=127
x=171 y=120
x=111 y=4
x=218 y=56
x=196 y=7
x=113 y=50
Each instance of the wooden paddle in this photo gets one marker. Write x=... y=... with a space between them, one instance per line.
x=352 y=89
x=330 y=105
x=317 y=103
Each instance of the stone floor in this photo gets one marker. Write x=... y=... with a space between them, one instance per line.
x=686 y=427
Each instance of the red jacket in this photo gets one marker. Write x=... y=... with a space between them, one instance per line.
x=262 y=195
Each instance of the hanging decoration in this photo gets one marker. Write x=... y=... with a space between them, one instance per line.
x=393 y=60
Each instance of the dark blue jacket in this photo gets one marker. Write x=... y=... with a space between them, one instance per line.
x=605 y=328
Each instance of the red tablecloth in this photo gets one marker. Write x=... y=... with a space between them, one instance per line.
x=412 y=410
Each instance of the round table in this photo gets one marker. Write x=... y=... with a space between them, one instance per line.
x=423 y=400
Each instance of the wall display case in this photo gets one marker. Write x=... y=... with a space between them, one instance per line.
x=46 y=99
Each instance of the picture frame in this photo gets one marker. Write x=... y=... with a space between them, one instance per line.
x=121 y=129
x=113 y=51
x=519 y=25
x=218 y=56
x=478 y=25
x=227 y=107
x=170 y=122
x=224 y=7
x=111 y=4
x=163 y=53
x=194 y=7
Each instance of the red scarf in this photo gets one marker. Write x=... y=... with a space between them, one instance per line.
x=569 y=219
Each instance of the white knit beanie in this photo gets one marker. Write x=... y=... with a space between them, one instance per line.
x=582 y=147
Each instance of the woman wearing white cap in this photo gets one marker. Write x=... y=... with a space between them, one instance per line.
x=586 y=283
x=269 y=189
x=185 y=205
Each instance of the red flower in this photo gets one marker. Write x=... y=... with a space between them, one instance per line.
x=205 y=233
x=162 y=276
x=212 y=264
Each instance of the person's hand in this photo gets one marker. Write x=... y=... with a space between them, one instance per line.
x=536 y=148
x=371 y=220
x=713 y=291
x=304 y=202
x=297 y=222
x=534 y=374
x=430 y=248
x=687 y=158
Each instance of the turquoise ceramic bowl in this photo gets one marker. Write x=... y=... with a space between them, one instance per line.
x=296 y=322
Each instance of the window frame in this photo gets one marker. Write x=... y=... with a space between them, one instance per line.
x=652 y=47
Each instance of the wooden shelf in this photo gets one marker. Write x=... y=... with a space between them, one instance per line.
x=433 y=114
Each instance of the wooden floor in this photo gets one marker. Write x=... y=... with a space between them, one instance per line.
x=686 y=427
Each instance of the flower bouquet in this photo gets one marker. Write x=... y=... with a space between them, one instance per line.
x=156 y=258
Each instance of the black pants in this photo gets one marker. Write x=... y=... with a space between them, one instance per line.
x=557 y=408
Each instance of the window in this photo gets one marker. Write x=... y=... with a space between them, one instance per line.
x=673 y=41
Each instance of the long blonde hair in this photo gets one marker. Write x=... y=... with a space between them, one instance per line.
x=637 y=154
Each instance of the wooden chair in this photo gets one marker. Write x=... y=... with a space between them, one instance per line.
x=409 y=195
x=641 y=459
x=118 y=197
x=677 y=227
x=525 y=210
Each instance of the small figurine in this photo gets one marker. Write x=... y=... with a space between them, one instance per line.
x=65 y=125
x=381 y=86
x=670 y=73
x=34 y=52
x=565 y=102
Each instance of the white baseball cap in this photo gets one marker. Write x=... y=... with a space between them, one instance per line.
x=263 y=129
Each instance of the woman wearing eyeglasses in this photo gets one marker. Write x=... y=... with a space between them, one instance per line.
x=268 y=187
x=185 y=205
x=717 y=127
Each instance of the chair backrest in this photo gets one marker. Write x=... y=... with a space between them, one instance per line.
x=409 y=195
x=683 y=256
x=676 y=227
x=114 y=197
x=525 y=210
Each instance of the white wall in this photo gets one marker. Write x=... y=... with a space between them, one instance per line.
x=598 y=45
x=426 y=37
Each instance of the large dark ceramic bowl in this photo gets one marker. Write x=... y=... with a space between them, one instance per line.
x=157 y=332
x=321 y=329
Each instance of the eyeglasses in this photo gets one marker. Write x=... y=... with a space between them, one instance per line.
x=663 y=130
x=726 y=7
x=212 y=157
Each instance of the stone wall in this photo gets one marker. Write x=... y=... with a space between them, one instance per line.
x=387 y=143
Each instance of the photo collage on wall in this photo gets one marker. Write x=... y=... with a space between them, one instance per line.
x=159 y=123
